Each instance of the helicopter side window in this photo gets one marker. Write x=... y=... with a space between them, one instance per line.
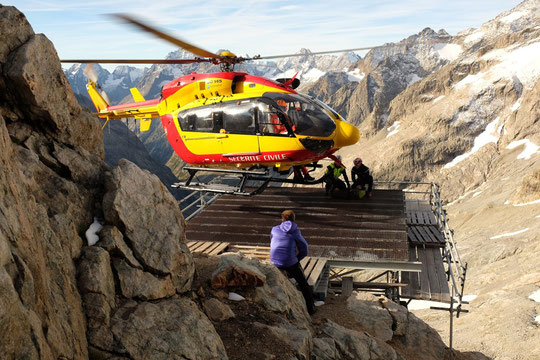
x=239 y=118
x=272 y=122
x=199 y=119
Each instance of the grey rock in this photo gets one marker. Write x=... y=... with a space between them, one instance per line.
x=35 y=73
x=15 y=30
x=95 y=274
x=112 y=240
x=169 y=329
x=137 y=202
x=357 y=345
x=299 y=339
x=216 y=310
x=371 y=315
x=280 y=295
x=324 y=348
x=135 y=283
x=399 y=314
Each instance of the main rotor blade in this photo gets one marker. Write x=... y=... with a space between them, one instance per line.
x=313 y=53
x=141 y=61
x=187 y=46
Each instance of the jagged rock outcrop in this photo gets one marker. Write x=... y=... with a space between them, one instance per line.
x=51 y=171
x=385 y=73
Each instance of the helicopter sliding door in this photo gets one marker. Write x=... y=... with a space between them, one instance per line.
x=237 y=134
x=220 y=130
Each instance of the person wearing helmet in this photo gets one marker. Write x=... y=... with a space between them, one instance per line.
x=332 y=177
x=361 y=177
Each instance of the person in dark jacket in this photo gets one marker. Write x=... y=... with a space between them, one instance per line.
x=287 y=248
x=361 y=177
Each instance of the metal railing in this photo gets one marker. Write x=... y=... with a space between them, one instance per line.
x=451 y=253
x=195 y=203
x=429 y=192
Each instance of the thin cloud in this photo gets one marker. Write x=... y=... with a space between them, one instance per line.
x=266 y=26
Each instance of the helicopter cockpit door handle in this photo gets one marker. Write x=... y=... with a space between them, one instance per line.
x=222 y=134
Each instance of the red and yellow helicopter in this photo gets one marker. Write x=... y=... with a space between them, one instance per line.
x=233 y=122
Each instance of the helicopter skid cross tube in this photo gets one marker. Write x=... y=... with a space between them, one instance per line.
x=244 y=176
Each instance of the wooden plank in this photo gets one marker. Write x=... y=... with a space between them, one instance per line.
x=309 y=268
x=222 y=246
x=414 y=277
x=192 y=245
x=434 y=286
x=316 y=273
x=437 y=235
x=197 y=247
x=347 y=286
x=304 y=262
x=251 y=247
x=417 y=235
x=424 y=280
x=205 y=246
x=425 y=237
x=211 y=248
x=441 y=275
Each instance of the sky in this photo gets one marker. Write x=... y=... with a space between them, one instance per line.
x=82 y=29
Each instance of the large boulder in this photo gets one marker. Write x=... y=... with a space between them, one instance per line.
x=232 y=271
x=351 y=344
x=168 y=329
x=34 y=73
x=371 y=315
x=138 y=204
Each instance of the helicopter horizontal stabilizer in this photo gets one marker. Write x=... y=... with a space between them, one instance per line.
x=145 y=124
x=136 y=95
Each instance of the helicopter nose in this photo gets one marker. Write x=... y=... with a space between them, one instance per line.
x=346 y=134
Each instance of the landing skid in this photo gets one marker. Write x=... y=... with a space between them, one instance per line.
x=241 y=179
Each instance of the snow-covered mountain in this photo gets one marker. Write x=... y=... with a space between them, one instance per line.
x=150 y=80
x=116 y=84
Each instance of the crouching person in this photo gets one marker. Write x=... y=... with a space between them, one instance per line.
x=287 y=248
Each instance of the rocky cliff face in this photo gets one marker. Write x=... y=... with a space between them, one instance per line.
x=93 y=260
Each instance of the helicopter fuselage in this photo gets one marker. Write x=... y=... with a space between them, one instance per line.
x=237 y=120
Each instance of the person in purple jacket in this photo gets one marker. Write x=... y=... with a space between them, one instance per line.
x=287 y=248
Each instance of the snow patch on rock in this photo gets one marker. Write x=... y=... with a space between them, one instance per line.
x=529 y=150
x=474 y=37
x=438 y=99
x=513 y=16
x=448 y=52
x=91 y=234
x=490 y=135
x=355 y=75
x=393 y=130
x=509 y=234
x=535 y=296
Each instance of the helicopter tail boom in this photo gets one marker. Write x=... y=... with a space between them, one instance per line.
x=144 y=110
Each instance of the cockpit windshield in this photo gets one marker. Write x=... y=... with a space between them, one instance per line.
x=306 y=116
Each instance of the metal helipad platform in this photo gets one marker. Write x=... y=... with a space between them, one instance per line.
x=370 y=229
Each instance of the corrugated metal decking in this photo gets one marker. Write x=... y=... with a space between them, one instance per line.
x=367 y=229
